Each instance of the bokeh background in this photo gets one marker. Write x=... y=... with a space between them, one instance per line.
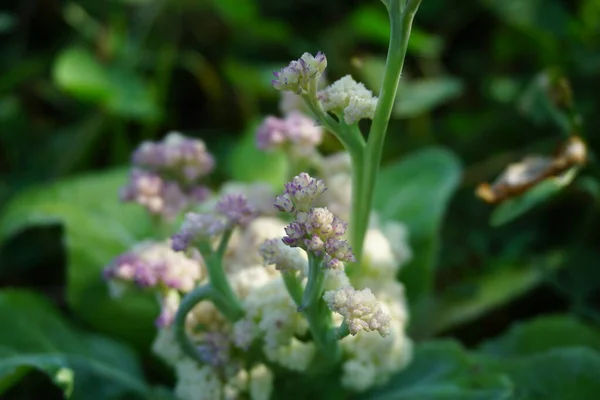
x=82 y=83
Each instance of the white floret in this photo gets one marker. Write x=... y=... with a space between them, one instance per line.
x=261 y=383
x=197 y=383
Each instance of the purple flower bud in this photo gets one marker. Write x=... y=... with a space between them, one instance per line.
x=315 y=245
x=289 y=78
x=271 y=134
x=181 y=241
x=151 y=264
x=176 y=155
x=296 y=230
x=196 y=227
x=236 y=208
x=302 y=131
x=303 y=190
x=339 y=249
x=158 y=196
x=284 y=203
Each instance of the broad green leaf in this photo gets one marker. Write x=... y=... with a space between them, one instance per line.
x=77 y=72
x=542 y=334
x=416 y=192
x=502 y=284
x=544 y=191
x=97 y=228
x=559 y=374
x=421 y=96
x=444 y=371
x=249 y=164
x=120 y=91
x=130 y=97
x=37 y=337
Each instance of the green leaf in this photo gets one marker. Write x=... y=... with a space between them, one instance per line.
x=421 y=96
x=77 y=72
x=249 y=164
x=97 y=228
x=544 y=191
x=416 y=192
x=444 y=371
x=542 y=334
x=131 y=97
x=119 y=90
x=90 y=366
x=502 y=284
x=559 y=374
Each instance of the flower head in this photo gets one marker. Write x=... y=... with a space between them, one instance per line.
x=315 y=229
x=166 y=174
x=197 y=227
x=349 y=99
x=150 y=264
x=183 y=157
x=360 y=309
x=158 y=196
x=303 y=190
x=287 y=259
x=297 y=76
x=236 y=209
x=296 y=133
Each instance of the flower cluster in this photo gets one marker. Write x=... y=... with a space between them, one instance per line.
x=285 y=259
x=220 y=343
x=299 y=74
x=150 y=264
x=154 y=266
x=296 y=133
x=166 y=175
x=315 y=230
x=262 y=253
x=230 y=210
x=349 y=99
x=360 y=309
x=346 y=98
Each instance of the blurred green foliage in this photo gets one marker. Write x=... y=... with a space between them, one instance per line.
x=83 y=82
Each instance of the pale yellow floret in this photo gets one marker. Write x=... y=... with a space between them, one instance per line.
x=196 y=383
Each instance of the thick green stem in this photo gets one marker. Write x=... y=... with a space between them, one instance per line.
x=316 y=281
x=342 y=330
x=356 y=234
x=201 y=293
x=293 y=286
x=218 y=280
x=316 y=312
x=401 y=23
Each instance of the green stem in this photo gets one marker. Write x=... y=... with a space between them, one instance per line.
x=316 y=312
x=357 y=229
x=293 y=286
x=342 y=330
x=232 y=306
x=201 y=293
x=315 y=285
x=400 y=24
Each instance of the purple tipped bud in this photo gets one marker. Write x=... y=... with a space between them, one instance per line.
x=236 y=208
x=284 y=203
